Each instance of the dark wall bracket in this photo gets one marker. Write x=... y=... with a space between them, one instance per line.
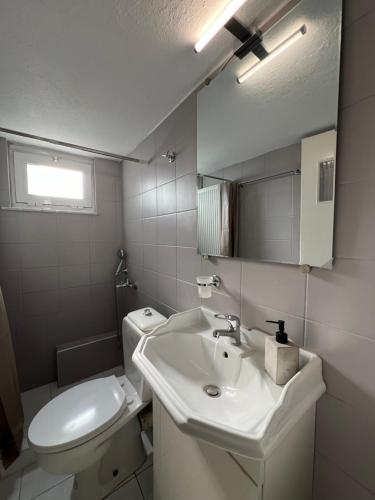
x=251 y=42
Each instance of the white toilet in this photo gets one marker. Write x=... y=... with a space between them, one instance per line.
x=92 y=429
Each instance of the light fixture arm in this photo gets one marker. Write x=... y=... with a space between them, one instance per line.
x=251 y=42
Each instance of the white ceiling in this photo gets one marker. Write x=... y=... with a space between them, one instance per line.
x=292 y=97
x=101 y=73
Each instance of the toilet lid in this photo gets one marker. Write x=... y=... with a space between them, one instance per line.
x=77 y=415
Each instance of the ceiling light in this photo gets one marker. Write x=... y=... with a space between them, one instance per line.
x=275 y=52
x=219 y=22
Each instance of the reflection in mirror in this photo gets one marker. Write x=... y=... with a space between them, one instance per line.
x=267 y=146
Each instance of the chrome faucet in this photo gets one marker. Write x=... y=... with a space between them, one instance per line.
x=234 y=330
x=128 y=283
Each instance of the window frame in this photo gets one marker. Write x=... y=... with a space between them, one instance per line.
x=21 y=155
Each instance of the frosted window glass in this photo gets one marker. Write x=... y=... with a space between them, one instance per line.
x=54 y=182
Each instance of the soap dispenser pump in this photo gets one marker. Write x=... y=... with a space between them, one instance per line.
x=281 y=355
x=281 y=335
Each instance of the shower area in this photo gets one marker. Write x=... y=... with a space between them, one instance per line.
x=95 y=354
x=122 y=283
x=65 y=284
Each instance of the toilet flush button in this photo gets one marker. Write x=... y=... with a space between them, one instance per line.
x=147 y=312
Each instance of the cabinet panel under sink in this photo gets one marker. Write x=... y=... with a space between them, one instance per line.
x=186 y=469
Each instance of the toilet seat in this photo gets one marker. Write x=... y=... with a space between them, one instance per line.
x=77 y=415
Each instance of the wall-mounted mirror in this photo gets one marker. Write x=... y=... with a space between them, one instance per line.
x=267 y=146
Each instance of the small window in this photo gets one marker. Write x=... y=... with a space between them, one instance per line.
x=49 y=180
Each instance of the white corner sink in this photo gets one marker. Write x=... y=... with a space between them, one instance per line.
x=252 y=414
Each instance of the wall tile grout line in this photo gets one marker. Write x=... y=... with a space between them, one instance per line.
x=139 y=486
x=341 y=331
x=344 y=472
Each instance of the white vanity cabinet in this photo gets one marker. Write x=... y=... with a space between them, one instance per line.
x=189 y=469
x=201 y=438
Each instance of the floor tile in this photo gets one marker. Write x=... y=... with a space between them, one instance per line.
x=34 y=400
x=146 y=482
x=148 y=463
x=26 y=458
x=130 y=491
x=60 y=492
x=10 y=487
x=35 y=481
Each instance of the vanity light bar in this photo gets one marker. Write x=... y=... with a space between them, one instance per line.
x=275 y=52
x=219 y=22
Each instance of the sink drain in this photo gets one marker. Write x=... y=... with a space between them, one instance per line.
x=212 y=390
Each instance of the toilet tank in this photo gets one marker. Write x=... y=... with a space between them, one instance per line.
x=134 y=325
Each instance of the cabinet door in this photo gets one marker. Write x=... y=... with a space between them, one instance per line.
x=186 y=469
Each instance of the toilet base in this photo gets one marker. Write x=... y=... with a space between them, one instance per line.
x=124 y=456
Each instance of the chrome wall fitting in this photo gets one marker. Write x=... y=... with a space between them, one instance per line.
x=213 y=280
x=170 y=156
x=205 y=284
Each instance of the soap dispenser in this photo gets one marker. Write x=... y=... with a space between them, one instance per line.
x=281 y=355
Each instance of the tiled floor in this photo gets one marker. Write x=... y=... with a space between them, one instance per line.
x=32 y=482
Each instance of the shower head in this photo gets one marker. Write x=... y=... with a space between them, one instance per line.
x=121 y=254
x=170 y=156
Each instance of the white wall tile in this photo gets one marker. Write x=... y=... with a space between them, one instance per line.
x=223 y=304
x=10 y=231
x=149 y=231
x=280 y=287
x=38 y=227
x=331 y=483
x=187 y=296
x=254 y=316
x=167 y=230
x=167 y=290
x=167 y=260
x=150 y=257
x=187 y=229
x=358 y=77
x=149 y=206
x=72 y=227
x=188 y=264
x=344 y=434
x=344 y=297
x=166 y=198
x=39 y=254
x=348 y=366
x=150 y=282
x=39 y=279
x=187 y=192
x=69 y=254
